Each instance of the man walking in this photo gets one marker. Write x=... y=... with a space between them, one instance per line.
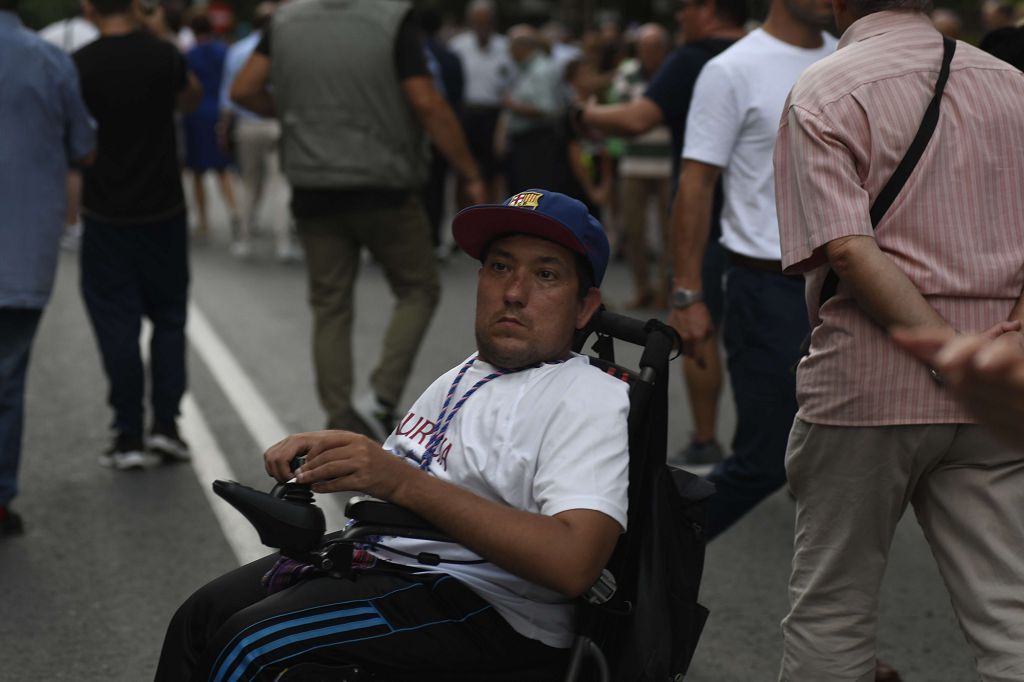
x=875 y=430
x=730 y=133
x=255 y=143
x=45 y=127
x=708 y=28
x=489 y=71
x=353 y=94
x=134 y=248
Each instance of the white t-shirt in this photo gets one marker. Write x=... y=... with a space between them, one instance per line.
x=70 y=34
x=733 y=121
x=487 y=72
x=544 y=440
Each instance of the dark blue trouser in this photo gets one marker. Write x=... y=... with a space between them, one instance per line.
x=765 y=323
x=17 y=329
x=129 y=271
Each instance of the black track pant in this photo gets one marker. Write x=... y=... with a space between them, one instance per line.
x=387 y=619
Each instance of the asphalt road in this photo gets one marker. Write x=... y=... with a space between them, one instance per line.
x=87 y=592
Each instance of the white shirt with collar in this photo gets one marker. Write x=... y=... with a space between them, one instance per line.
x=488 y=71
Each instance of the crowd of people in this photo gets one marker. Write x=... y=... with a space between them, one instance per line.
x=869 y=299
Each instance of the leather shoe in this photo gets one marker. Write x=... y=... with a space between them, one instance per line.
x=11 y=524
x=886 y=673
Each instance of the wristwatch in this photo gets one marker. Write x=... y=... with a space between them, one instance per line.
x=684 y=298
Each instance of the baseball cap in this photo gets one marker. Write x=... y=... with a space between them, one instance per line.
x=549 y=215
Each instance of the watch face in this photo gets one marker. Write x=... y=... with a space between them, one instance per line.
x=682 y=298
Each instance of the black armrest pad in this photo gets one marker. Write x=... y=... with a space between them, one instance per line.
x=370 y=510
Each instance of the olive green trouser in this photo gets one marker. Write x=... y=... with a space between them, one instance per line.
x=398 y=237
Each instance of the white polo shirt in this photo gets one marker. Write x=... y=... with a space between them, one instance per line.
x=733 y=121
x=488 y=72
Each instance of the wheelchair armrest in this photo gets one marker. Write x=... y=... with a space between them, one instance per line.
x=366 y=509
x=377 y=517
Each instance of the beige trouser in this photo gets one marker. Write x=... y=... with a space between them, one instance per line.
x=635 y=194
x=852 y=485
x=257 y=154
x=398 y=237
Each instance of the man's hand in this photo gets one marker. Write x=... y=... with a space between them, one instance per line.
x=338 y=460
x=985 y=372
x=693 y=323
x=474 y=191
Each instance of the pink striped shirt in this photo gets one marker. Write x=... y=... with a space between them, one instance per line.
x=956 y=229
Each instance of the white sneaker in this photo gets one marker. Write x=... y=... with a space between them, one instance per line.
x=240 y=250
x=289 y=254
x=378 y=417
x=127 y=453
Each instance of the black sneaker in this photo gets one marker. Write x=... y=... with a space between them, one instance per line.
x=127 y=452
x=696 y=454
x=10 y=523
x=164 y=441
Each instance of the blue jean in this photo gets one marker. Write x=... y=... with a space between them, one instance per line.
x=765 y=323
x=129 y=271
x=17 y=329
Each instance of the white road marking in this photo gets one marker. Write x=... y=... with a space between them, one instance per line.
x=260 y=420
x=210 y=464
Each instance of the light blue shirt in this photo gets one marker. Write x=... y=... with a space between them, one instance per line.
x=238 y=54
x=43 y=125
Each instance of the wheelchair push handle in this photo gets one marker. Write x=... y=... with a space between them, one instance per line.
x=628 y=329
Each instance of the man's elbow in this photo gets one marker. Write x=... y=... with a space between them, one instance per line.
x=87 y=160
x=190 y=97
x=577 y=583
x=846 y=253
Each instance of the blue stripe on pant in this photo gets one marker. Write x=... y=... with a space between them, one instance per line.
x=765 y=323
x=392 y=620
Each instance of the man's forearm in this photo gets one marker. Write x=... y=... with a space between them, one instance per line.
x=691 y=224
x=445 y=132
x=250 y=89
x=629 y=119
x=880 y=288
x=546 y=550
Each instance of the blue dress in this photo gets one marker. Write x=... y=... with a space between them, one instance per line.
x=206 y=60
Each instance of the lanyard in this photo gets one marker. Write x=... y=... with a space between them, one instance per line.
x=444 y=419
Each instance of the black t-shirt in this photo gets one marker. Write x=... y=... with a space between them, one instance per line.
x=129 y=84
x=671 y=88
x=410 y=61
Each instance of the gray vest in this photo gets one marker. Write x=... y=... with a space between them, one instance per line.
x=344 y=120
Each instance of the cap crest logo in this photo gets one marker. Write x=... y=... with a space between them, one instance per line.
x=525 y=200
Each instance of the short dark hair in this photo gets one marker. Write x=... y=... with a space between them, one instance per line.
x=862 y=8
x=9 y=4
x=200 y=24
x=106 y=8
x=734 y=12
x=584 y=277
x=429 y=20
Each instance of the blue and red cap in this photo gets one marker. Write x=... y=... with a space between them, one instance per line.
x=549 y=215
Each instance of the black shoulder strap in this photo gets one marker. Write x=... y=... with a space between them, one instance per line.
x=899 y=177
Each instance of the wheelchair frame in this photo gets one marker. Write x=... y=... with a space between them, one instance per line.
x=287 y=519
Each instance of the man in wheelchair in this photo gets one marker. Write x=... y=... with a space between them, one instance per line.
x=519 y=454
